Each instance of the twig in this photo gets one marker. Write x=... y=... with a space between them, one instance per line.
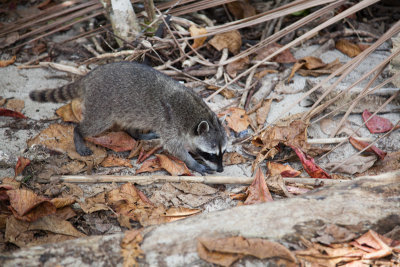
x=321 y=141
x=63 y=67
x=199 y=179
x=247 y=88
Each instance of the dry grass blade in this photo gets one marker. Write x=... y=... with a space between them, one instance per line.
x=376 y=112
x=285 y=31
x=370 y=145
x=316 y=110
x=302 y=38
x=357 y=100
x=266 y=16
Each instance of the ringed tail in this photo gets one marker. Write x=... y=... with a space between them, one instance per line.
x=57 y=95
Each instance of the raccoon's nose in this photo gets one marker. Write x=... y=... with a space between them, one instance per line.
x=220 y=168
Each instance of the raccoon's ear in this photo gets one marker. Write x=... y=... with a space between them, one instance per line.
x=202 y=128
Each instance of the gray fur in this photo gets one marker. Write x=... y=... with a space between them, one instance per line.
x=136 y=96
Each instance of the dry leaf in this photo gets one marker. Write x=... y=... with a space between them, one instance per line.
x=225 y=92
x=348 y=48
x=95 y=203
x=5 y=63
x=198 y=189
x=327 y=69
x=150 y=165
x=258 y=191
x=376 y=124
x=280 y=169
x=21 y=164
x=233 y=158
x=284 y=57
x=61 y=202
x=49 y=229
x=216 y=257
x=15 y=104
x=236 y=118
x=263 y=111
x=11 y=113
x=360 y=145
x=241 y=9
x=310 y=166
x=314 y=66
x=130 y=247
x=236 y=66
x=173 y=165
x=194 y=31
x=59 y=138
x=117 y=141
x=66 y=113
x=236 y=247
x=28 y=206
x=358 y=164
x=115 y=161
x=231 y=40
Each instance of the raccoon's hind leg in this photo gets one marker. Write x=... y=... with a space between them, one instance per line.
x=140 y=136
x=80 y=146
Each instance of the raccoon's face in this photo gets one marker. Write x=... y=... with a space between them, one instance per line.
x=210 y=143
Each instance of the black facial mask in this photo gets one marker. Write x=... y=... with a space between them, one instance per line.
x=213 y=158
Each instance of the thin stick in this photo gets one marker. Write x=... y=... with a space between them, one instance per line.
x=200 y=179
x=322 y=141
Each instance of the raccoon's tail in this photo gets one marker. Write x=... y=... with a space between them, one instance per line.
x=57 y=95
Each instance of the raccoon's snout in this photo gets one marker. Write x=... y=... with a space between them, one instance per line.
x=214 y=158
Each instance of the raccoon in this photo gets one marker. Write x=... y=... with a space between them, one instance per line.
x=138 y=97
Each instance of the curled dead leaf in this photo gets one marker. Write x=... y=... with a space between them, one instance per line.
x=173 y=165
x=194 y=31
x=258 y=191
x=348 y=48
x=117 y=141
x=231 y=40
x=236 y=118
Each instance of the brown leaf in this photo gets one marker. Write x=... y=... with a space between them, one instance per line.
x=173 y=165
x=194 y=31
x=225 y=92
x=181 y=212
x=258 y=191
x=231 y=40
x=130 y=247
x=27 y=206
x=61 y=202
x=263 y=111
x=256 y=247
x=357 y=164
x=117 y=141
x=284 y=57
x=378 y=243
x=262 y=73
x=65 y=213
x=49 y=229
x=15 y=104
x=327 y=69
x=95 y=203
x=233 y=158
x=59 y=138
x=280 y=169
x=236 y=66
x=21 y=164
x=115 y=161
x=360 y=145
x=150 y=165
x=348 y=48
x=66 y=113
x=216 y=257
x=5 y=63
x=241 y=9
x=198 y=189
x=314 y=66
x=236 y=118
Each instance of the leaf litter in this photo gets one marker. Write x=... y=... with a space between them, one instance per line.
x=269 y=141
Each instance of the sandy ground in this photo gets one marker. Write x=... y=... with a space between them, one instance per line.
x=17 y=83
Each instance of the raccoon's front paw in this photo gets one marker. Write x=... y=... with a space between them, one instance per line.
x=84 y=151
x=202 y=169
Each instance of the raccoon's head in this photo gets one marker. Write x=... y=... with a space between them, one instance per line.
x=210 y=142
